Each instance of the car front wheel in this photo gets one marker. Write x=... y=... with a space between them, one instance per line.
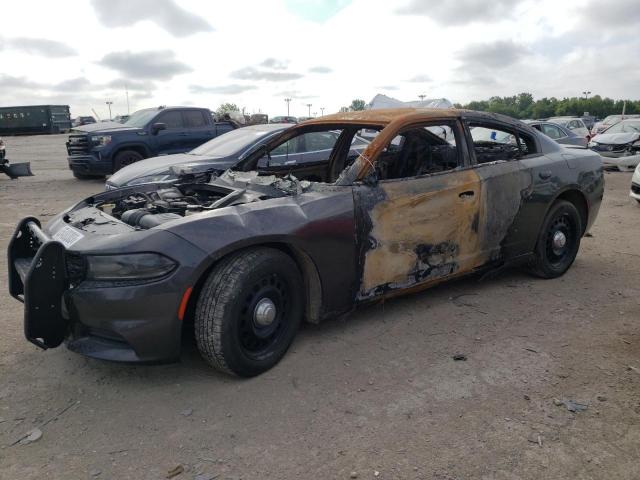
x=249 y=311
x=558 y=241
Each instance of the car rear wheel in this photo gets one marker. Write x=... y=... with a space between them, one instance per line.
x=126 y=157
x=249 y=311
x=558 y=241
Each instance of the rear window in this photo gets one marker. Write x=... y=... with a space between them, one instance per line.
x=194 y=119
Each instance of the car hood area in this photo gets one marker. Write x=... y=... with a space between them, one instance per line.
x=616 y=138
x=104 y=127
x=162 y=164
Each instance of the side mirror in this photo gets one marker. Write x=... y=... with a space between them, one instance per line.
x=156 y=127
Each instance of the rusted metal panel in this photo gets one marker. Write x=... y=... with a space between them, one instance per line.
x=419 y=230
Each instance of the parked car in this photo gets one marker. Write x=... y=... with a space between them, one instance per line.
x=307 y=157
x=285 y=119
x=248 y=257
x=558 y=133
x=610 y=121
x=619 y=145
x=258 y=119
x=80 y=121
x=576 y=125
x=635 y=184
x=101 y=149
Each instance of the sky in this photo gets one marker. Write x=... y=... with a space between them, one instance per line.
x=256 y=53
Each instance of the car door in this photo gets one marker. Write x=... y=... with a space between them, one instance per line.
x=417 y=226
x=173 y=138
x=504 y=167
x=198 y=128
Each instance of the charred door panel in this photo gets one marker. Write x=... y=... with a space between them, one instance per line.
x=418 y=230
x=506 y=187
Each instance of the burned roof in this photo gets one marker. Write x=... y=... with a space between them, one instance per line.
x=385 y=116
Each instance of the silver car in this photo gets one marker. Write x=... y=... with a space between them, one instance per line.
x=619 y=145
x=559 y=133
x=576 y=125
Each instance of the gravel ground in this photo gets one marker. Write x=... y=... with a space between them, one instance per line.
x=377 y=395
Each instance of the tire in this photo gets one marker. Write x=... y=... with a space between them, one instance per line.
x=86 y=176
x=124 y=158
x=230 y=333
x=551 y=259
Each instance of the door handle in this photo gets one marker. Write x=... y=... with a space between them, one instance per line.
x=545 y=175
x=467 y=194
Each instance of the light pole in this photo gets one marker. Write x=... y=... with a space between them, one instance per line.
x=322 y=111
x=586 y=95
x=109 y=103
x=309 y=107
x=422 y=97
x=288 y=100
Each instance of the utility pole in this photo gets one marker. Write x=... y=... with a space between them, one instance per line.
x=322 y=111
x=126 y=90
x=309 y=107
x=288 y=100
x=422 y=97
x=109 y=103
x=586 y=95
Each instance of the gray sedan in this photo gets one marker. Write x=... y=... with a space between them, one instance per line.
x=558 y=133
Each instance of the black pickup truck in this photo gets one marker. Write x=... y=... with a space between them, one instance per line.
x=101 y=149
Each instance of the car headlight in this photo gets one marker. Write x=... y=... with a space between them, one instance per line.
x=101 y=139
x=132 y=266
x=593 y=144
x=157 y=177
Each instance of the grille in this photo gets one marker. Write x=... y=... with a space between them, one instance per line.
x=78 y=145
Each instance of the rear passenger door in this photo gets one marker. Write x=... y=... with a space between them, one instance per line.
x=173 y=138
x=499 y=154
x=198 y=128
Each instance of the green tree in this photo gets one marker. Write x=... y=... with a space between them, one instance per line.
x=226 y=108
x=357 y=105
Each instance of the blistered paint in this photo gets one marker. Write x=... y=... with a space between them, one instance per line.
x=421 y=230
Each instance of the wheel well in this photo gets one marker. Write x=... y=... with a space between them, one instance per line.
x=577 y=198
x=136 y=148
x=312 y=284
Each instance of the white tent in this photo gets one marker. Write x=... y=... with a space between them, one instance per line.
x=383 y=101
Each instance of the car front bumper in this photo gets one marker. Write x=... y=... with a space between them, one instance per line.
x=621 y=162
x=90 y=164
x=121 y=322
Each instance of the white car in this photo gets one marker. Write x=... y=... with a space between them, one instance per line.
x=619 y=145
x=635 y=184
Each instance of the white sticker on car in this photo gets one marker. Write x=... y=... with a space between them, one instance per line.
x=67 y=236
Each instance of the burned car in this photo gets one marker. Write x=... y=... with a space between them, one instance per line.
x=248 y=257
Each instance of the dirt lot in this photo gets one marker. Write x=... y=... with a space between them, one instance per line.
x=378 y=392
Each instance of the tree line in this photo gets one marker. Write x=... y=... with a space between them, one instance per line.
x=524 y=106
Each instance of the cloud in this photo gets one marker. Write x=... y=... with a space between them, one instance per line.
x=38 y=46
x=156 y=65
x=294 y=94
x=461 y=12
x=131 y=85
x=18 y=83
x=275 y=64
x=164 y=13
x=387 y=87
x=320 y=69
x=499 y=54
x=232 y=89
x=615 y=14
x=420 y=79
x=78 y=84
x=252 y=73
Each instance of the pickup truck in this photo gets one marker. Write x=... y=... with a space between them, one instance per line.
x=103 y=148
